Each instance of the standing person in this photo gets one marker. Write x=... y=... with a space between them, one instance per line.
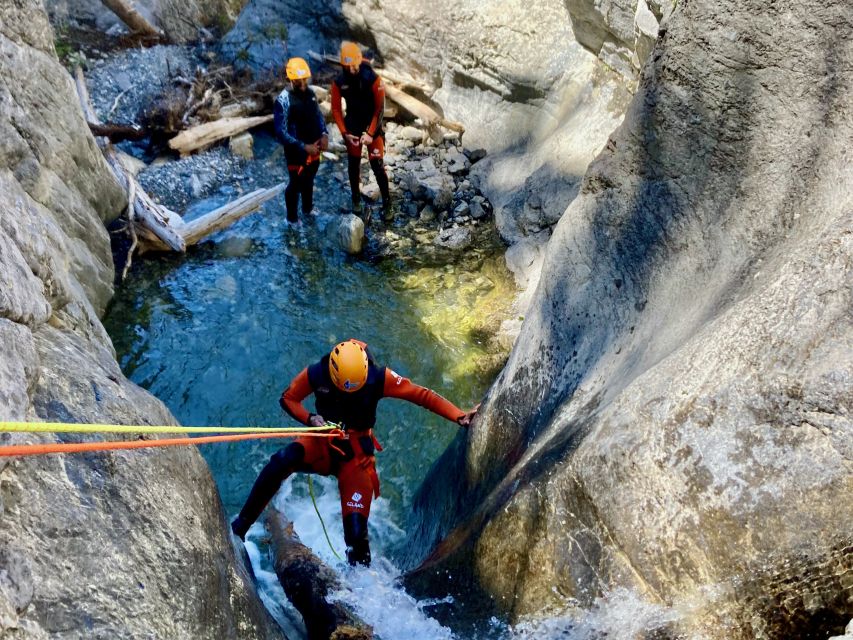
x=347 y=385
x=300 y=127
x=364 y=93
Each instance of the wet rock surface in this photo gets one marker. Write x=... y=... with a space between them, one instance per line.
x=96 y=545
x=675 y=416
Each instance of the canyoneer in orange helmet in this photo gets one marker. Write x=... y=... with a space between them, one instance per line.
x=364 y=93
x=347 y=385
x=300 y=127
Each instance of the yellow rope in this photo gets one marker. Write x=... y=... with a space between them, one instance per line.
x=61 y=427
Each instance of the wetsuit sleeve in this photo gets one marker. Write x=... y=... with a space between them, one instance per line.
x=280 y=121
x=379 y=101
x=396 y=386
x=337 y=109
x=296 y=392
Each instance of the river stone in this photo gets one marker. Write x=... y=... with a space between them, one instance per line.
x=349 y=233
x=675 y=417
x=95 y=545
x=241 y=146
x=456 y=238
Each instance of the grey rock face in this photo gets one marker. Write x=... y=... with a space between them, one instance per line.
x=513 y=73
x=97 y=545
x=619 y=32
x=676 y=414
x=180 y=20
x=268 y=32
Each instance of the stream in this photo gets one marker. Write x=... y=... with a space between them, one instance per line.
x=219 y=333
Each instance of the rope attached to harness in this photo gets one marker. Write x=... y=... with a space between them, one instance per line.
x=317 y=511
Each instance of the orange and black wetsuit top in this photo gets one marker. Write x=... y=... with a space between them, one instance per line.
x=357 y=410
x=365 y=96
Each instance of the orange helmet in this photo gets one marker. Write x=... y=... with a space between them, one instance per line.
x=350 y=54
x=297 y=69
x=348 y=366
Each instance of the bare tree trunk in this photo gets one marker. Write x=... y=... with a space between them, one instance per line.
x=307 y=582
x=206 y=134
x=127 y=13
x=421 y=110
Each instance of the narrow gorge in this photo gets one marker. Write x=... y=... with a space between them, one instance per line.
x=638 y=255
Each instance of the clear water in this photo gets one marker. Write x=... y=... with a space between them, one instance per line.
x=218 y=334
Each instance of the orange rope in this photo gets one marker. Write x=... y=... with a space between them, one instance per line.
x=79 y=447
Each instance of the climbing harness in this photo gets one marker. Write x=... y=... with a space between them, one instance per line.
x=237 y=433
x=317 y=511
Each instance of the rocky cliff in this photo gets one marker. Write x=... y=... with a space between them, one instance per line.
x=96 y=545
x=527 y=91
x=675 y=416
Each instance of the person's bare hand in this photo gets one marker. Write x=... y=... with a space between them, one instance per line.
x=465 y=421
x=353 y=140
x=366 y=139
x=316 y=421
x=312 y=149
x=323 y=143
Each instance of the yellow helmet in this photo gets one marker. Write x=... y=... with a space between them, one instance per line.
x=350 y=54
x=297 y=69
x=348 y=366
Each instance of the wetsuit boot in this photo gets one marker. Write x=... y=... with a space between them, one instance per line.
x=281 y=465
x=378 y=167
x=355 y=536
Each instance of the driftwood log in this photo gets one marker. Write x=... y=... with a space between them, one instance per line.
x=206 y=134
x=127 y=13
x=117 y=132
x=158 y=228
x=307 y=581
x=426 y=113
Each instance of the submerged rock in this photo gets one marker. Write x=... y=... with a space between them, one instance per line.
x=349 y=232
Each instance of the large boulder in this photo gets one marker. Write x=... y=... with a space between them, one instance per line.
x=96 y=545
x=675 y=417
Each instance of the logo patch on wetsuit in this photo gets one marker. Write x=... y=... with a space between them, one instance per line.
x=354 y=502
x=396 y=375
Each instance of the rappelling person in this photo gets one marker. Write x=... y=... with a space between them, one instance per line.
x=364 y=93
x=347 y=385
x=300 y=127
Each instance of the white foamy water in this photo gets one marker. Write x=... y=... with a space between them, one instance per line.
x=374 y=592
x=376 y=595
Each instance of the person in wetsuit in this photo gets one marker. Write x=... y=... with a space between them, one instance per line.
x=347 y=385
x=364 y=93
x=300 y=127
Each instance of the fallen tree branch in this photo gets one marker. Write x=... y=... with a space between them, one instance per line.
x=118 y=132
x=307 y=581
x=224 y=216
x=127 y=13
x=131 y=216
x=421 y=110
x=206 y=134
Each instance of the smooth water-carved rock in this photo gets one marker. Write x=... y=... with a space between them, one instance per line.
x=676 y=415
x=101 y=544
